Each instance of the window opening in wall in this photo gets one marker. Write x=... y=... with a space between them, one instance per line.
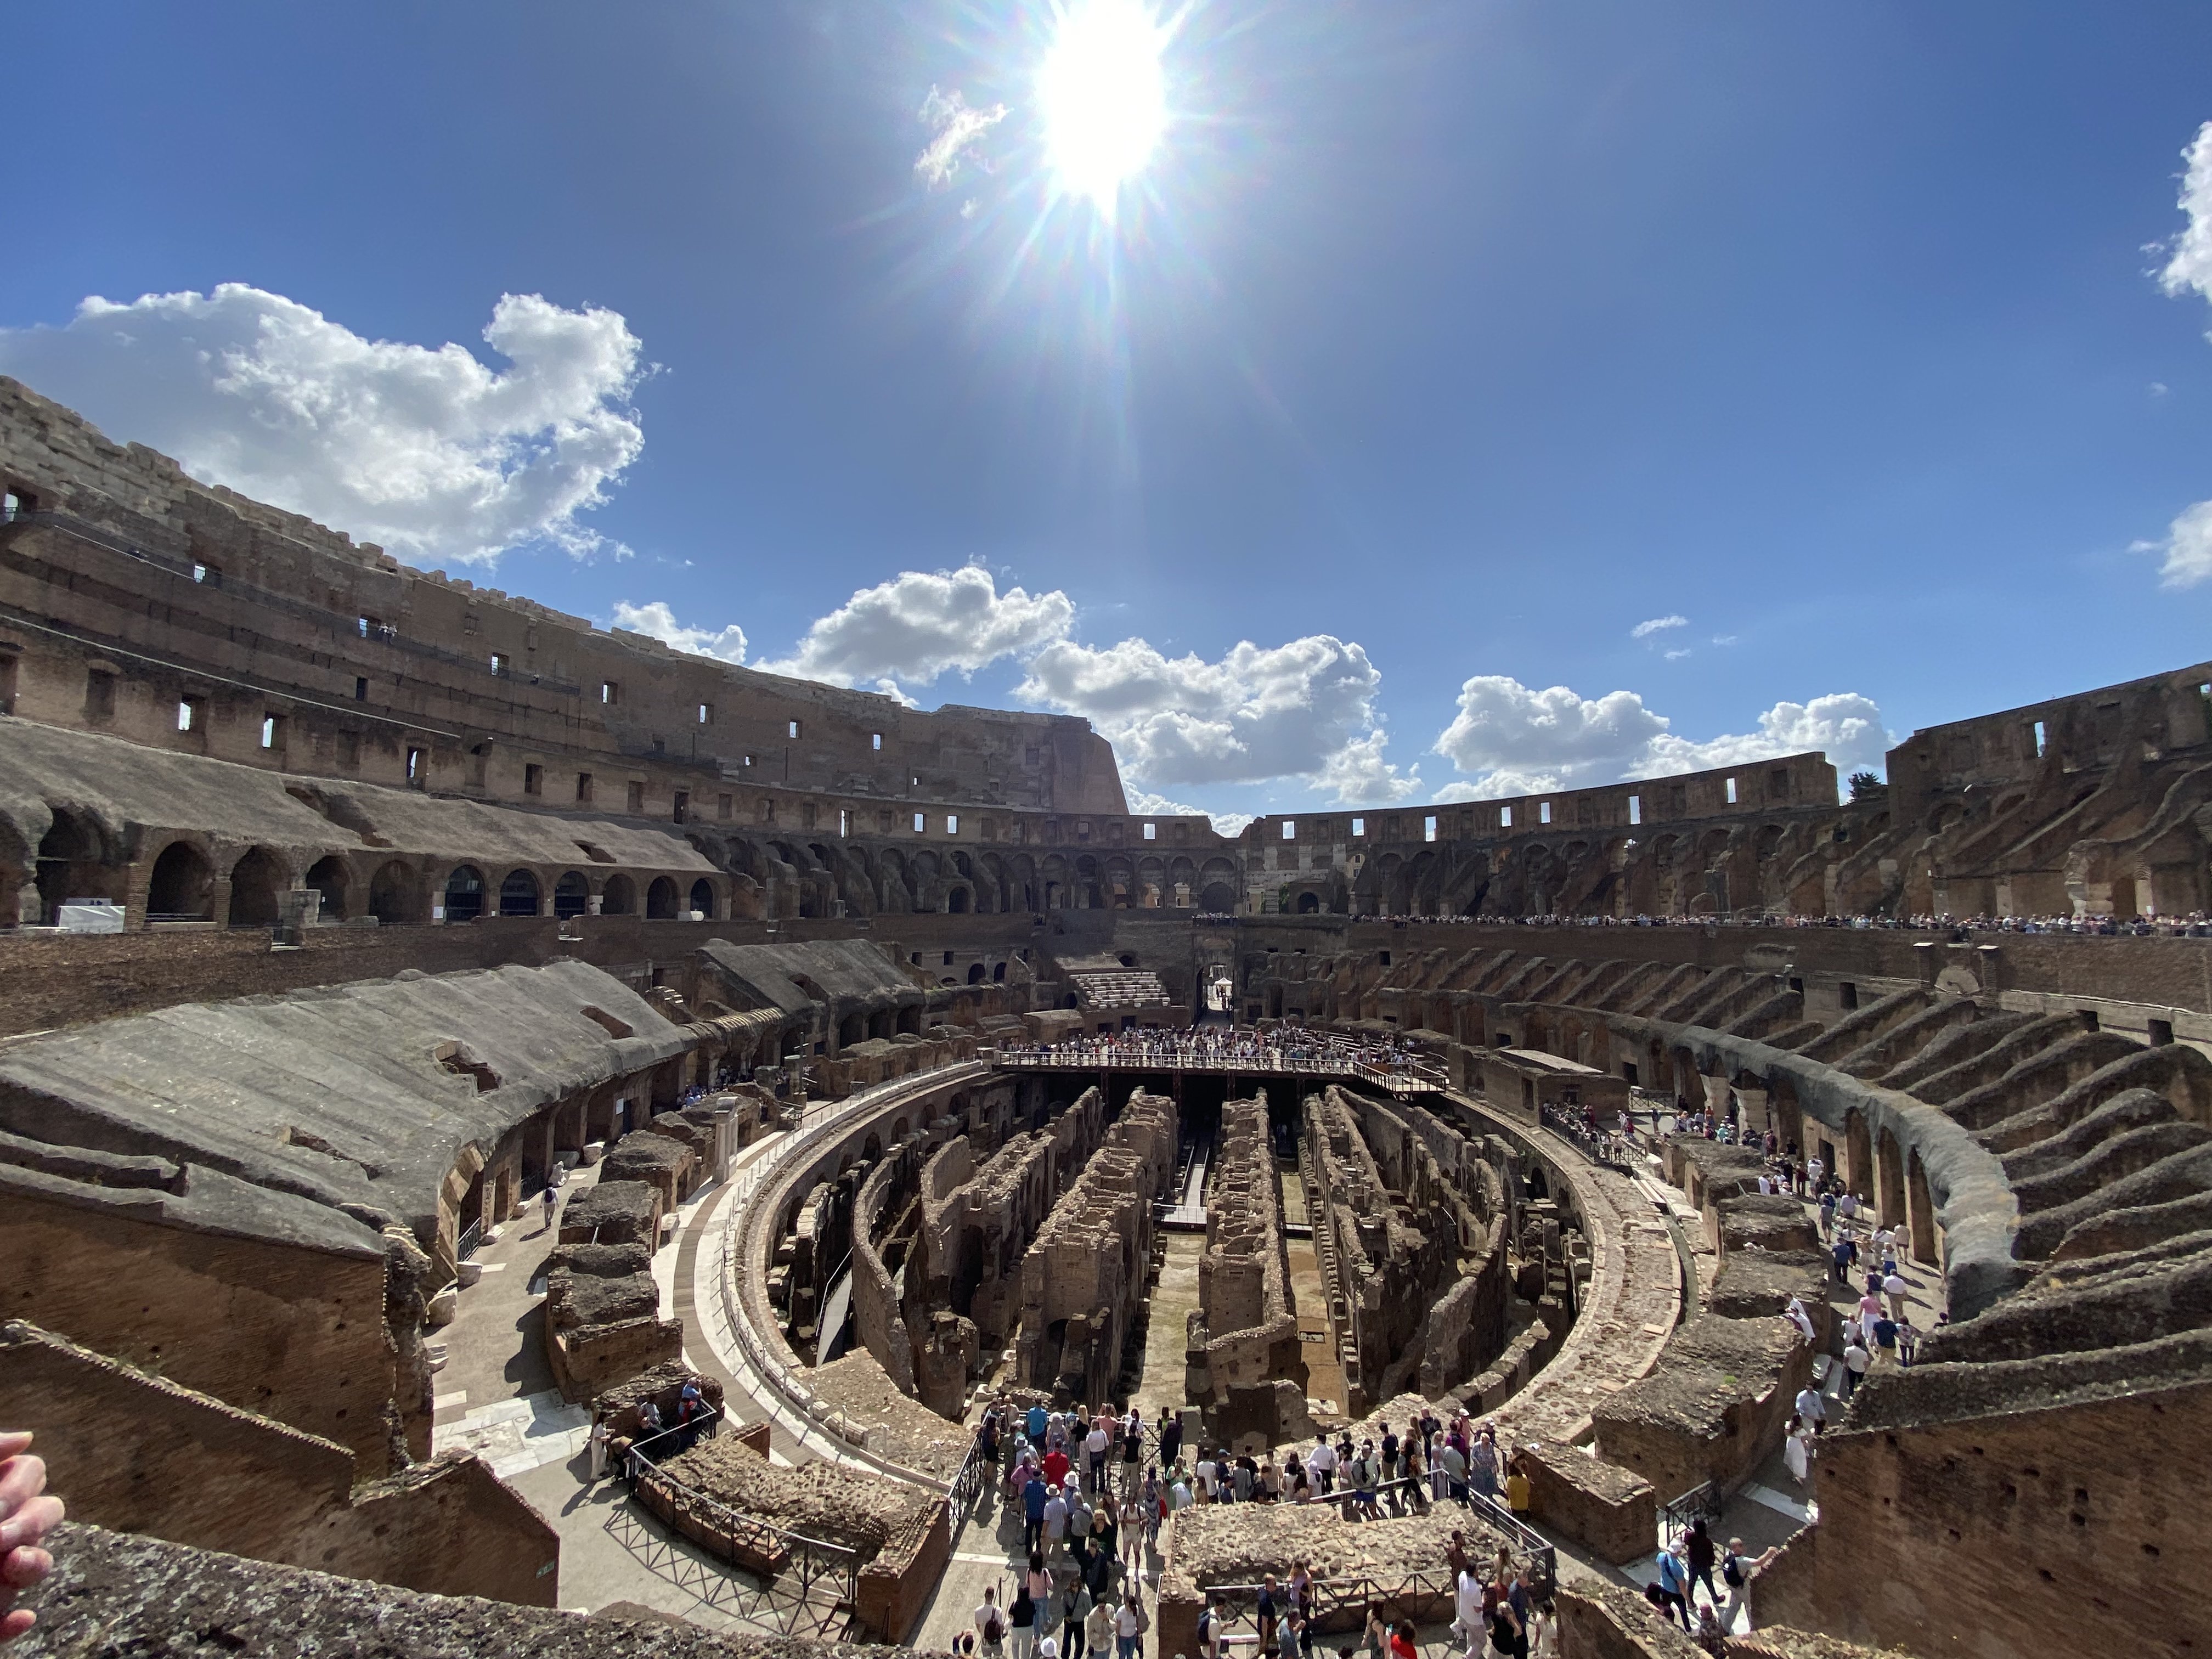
x=637 y=798
x=952 y=823
x=2088 y=1019
x=683 y=805
x=479 y=763
x=725 y=805
x=362 y=623
x=583 y=786
x=1729 y=784
x=2038 y=739
x=875 y=740
x=188 y=713
x=610 y=693
x=98 y=694
x=1428 y=827
x=794 y=730
x=806 y=815
x=768 y=811
x=706 y=713
x=1359 y=827
x=1505 y=818
x=1848 y=994
x=533 y=780
x=2161 y=1033
x=1382 y=958
x=14 y=504
x=844 y=821
x=884 y=821
x=1082 y=829
x=1290 y=828
x=1543 y=811
x=1152 y=831
x=414 y=768
x=914 y=782
x=498 y=665
x=948 y=958
x=1636 y=809
x=201 y=573
x=268 y=731
x=920 y=823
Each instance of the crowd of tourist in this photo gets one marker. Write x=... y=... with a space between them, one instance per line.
x=2195 y=924
x=1093 y=1488
x=1223 y=1047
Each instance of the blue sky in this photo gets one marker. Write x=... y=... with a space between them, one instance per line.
x=1434 y=350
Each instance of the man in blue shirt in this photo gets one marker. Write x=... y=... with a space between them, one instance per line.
x=1675 y=1588
x=1038 y=1420
x=1033 y=1502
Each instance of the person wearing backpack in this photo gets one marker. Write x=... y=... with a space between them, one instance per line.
x=991 y=1624
x=1209 y=1629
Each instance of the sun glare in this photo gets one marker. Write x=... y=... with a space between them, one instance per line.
x=1104 y=96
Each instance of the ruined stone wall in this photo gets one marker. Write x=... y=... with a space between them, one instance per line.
x=1083 y=1277
x=288 y=1331
x=140 y=1454
x=1389 y=1257
x=1244 y=1363
x=877 y=1319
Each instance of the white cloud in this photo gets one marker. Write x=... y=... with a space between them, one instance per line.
x=655 y=620
x=426 y=451
x=1145 y=804
x=1644 y=630
x=2189 y=262
x=1516 y=740
x=955 y=129
x=918 y=625
x=1304 y=709
x=1677 y=654
x=2188 y=543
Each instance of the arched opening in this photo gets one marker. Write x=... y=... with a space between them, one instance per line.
x=619 y=898
x=332 y=877
x=254 y=881
x=956 y=902
x=71 y=863
x=1308 y=904
x=572 y=896
x=465 y=894
x=660 y=900
x=975 y=974
x=851 y=1029
x=1218 y=898
x=517 y=894
x=998 y=973
x=182 y=883
x=391 y=895
x=702 y=897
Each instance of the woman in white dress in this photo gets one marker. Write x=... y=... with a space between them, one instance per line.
x=1797 y=1454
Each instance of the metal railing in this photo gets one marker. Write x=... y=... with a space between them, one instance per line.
x=1405 y=1076
x=1703 y=1502
x=466 y=1245
x=1604 y=1146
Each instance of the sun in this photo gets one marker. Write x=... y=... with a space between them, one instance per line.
x=1104 y=96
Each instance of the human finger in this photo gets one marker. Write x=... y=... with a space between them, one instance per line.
x=20 y=1569
x=14 y=1443
x=31 y=1522
x=22 y=1478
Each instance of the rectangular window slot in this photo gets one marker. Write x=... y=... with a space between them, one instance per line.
x=1636 y=809
x=920 y=823
x=415 y=767
x=952 y=823
x=609 y=693
x=98 y=694
x=1359 y=828
x=2038 y=739
x=498 y=665
x=360 y=688
x=583 y=786
x=1290 y=828
x=844 y=821
x=1848 y=994
x=875 y=740
x=188 y=713
x=1730 y=785
x=1505 y=818
x=683 y=805
x=794 y=728
x=706 y=713
x=725 y=806
x=1428 y=827
x=269 y=727
x=2161 y=1033
x=637 y=798
x=1543 y=811
x=1152 y=832
x=533 y=780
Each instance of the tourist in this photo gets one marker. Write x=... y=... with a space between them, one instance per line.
x=1322 y=1463
x=1709 y=1635
x=1170 y=1436
x=597 y=1439
x=1700 y=1553
x=991 y=1623
x=1021 y=1623
x=1055 y=1523
x=1036 y=1422
x=1047 y=1648
x=1466 y=1604
x=1732 y=1570
x=1098 y=1628
x=1036 y=1496
x=1074 y=1620
x=1453 y=1462
x=1797 y=1452
x=1544 y=1632
x=1674 y=1585
x=1363 y=1479
x=1828 y=1214
x=1885 y=1342
x=1482 y=1463
x=1209 y=1620
x=1800 y=1319
x=1812 y=1409
x=548 y=1201
x=1133 y=1444
x=1856 y=1360
x=1401 y=1641
x=1894 y=1287
x=1516 y=1486
x=1094 y=1452
x=1056 y=1467
x=1129 y=1622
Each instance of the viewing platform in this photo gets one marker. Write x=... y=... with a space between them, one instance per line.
x=1403 y=1075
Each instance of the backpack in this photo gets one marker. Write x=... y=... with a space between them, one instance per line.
x=1732 y=1569
x=994 y=1628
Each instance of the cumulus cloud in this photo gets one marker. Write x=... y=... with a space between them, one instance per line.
x=1302 y=710
x=1516 y=740
x=1145 y=804
x=919 y=625
x=1644 y=630
x=658 y=621
x=955 y=129
x=2188 y=268
x=423 y=450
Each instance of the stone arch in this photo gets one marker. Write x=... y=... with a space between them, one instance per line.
x=1889 y=1179
x=1920 y=1213
x=660 y=900
x=702 y=897
x=520 y=894
x=1858 y=1154
x=957 y=901
x=257 y=881
x=618 y=897
x=332 y=877
x=72 y=862
x=182 y=886
x=465 y=894
x=572 y=896
x=393 y=896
